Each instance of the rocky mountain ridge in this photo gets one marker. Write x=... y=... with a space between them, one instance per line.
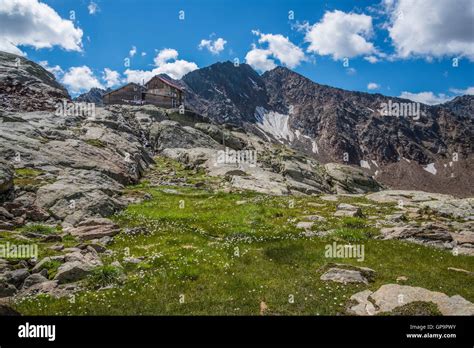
x=27 y=86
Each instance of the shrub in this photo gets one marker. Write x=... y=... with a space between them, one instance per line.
x=104 y=275
x=39 y=228
x=353 y=222
x=52 y=267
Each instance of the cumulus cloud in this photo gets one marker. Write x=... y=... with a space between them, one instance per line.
x=341 y=35
x=80 y=79
x=278 y=47
x=429 y=98
x=165 y=55
x=372 y=59
x=215 y=47
x=35 y=24
x=431 y=28
x=133 y=51
x=467 y=91
x=372 y=86
x=259 y=59
x=111 y=77
x=166 y=62
x=93 y=8
x=56 y=70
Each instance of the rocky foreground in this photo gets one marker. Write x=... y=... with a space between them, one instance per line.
x=141 y=210
x=63 y=178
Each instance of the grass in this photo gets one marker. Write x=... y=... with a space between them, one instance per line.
x=96 y=142
x=29 y=179
x=414 y=308
x=52 y=267
x=104 y=276
x=213 y=253
x=40 y=229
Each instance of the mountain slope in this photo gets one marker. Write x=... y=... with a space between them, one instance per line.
x=27 y=86
x=93 y=96
x=225 y=93
x=350 y=122
x=331 y=123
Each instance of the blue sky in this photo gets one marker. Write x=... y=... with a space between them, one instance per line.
x=392 y=47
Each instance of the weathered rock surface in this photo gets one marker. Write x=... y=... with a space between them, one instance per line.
x=348 y=210
x=348 y=179
x=344 y=273
x=6 y=180
x=95 y=228
x=27 y=86
x=344 y=276
x=33 y=279
x=391 y=296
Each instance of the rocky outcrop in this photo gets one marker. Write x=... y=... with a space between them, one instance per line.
x=390 y=296
x=95 y=229
x=73 y=167
x=27 y=86
x=6 y=180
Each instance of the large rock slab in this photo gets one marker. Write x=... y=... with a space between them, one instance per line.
x=390 y=296
x=72 y=271
x=95 y=228
x=349 y=179
x=340 y=275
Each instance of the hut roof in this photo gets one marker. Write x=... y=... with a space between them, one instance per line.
x=128 y=84
x=169 y=83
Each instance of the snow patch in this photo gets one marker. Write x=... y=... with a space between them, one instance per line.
x=430 y=168
x=315 y=147
x=375 y=163
x=274 y=123
x=364 y=164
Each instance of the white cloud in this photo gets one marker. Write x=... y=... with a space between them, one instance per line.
x=166 y=62
x=431 y=98
x=80 y=79
x=426 y=97
x=133 y=51
x=56 y=70
x=467 y=91
x=351 y=71
x=215 y=47
x=111 y=77
x=165 y=55
x=372 y=59
x=143 y=54
x=278 y=47
x=258 y=59
x=431 y=28
x=372 y=85
x=31 y=23
x=93 y=8
x=341 y=35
